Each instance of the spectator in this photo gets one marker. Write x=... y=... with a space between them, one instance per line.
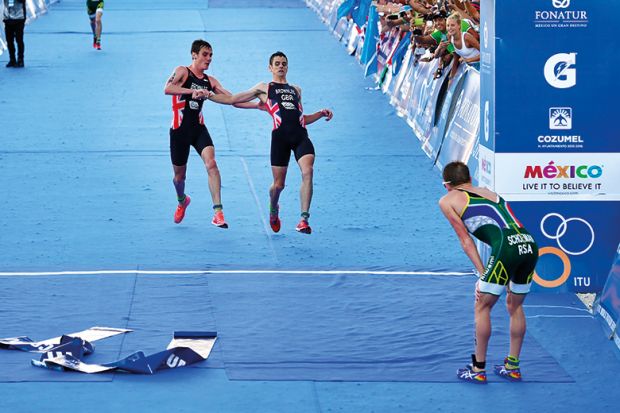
x=14 y=17
x=467 y=8
x=465 y=45
x=438 y=41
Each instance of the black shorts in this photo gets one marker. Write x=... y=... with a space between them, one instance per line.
x=92 y=6
x=181 y=139
x=283 y=142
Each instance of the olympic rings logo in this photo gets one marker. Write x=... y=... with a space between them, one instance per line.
x=561 y=252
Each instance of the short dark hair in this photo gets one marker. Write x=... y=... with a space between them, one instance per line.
x=456 y=173
x=199 y=44
x=276 y=54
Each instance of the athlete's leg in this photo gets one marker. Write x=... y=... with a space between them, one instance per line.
x=179 y=181
x=279 y=180
x=306 y=164
x=514 y=305
x=482 y=310
x=93 y=26
x=215 y=181
x=98 y=24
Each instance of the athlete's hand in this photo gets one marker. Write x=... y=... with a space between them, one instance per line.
x=326 y=113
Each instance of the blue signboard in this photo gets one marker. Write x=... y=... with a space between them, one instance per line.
x=575 y=242
x=553 y=73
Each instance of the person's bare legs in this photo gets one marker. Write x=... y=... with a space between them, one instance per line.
x=276 y=188
x=215 y=181
x=306 y=164
x=179 y=181
x=98 y=26
x=514 y=305
x=482 y=312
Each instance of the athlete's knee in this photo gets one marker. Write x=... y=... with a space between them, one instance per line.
x=278 y=186
x=211 y=165
x=179 y=173
x=307 y=172
x=511 y=306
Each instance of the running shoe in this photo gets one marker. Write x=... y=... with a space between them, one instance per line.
x=218 y=220
x=508 y=371
x=303 y=227
x=468 y=374
x=98 y=45
x=274 y=219
x=180 y=212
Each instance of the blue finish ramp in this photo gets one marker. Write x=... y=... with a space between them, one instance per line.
x=356 y=317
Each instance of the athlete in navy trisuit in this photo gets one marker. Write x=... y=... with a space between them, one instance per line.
x=283 y=102
x=189 y=87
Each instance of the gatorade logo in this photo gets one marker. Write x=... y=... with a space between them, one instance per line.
x=560 y=70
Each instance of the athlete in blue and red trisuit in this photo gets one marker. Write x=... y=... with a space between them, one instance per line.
x=189 y=87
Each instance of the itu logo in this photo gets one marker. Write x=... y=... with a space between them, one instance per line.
x=560 y=70
x=561 y=118
x=557 y=233
x=561 y=4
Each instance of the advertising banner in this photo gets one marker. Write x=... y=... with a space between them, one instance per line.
x=575 y=242
x=446 y=107
x=548 y=138
x=486 y=154
x=396 y=83
x=607 y=305
x=558 y=176
x=462 y=131
x=422 y=85
x=424 y=115
x=557 y=96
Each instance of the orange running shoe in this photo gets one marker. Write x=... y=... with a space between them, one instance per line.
x=218 y=220
x=180 y=212
x=303 y=227
x=98 y=45
x=274 y=219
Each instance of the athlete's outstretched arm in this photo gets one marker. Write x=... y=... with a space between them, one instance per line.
x=457 y=224
x=175 y=81
x=323 y=113
x=246 y=96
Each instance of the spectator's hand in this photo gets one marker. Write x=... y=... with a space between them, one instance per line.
x=326 y=113
x=443 y=45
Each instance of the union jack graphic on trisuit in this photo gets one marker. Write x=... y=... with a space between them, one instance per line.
x=178 y=104
x=274 y=110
